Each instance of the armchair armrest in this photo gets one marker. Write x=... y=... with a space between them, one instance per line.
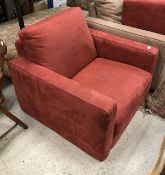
x=125 y=51
x=66 y=107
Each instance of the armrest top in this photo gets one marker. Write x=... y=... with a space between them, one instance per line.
x=125 y=42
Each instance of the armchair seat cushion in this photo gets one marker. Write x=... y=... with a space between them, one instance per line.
x=123 y=83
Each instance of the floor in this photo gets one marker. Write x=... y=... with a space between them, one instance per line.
x=40 y=151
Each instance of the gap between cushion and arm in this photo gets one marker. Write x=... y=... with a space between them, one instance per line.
x=126 y=51
x=96 y=108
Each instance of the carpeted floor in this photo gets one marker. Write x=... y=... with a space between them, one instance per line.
x=40 y=151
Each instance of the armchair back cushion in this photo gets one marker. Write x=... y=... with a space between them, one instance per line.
x=61 y=44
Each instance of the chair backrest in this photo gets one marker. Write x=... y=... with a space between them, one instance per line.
x=62 y=42
x=147 y=15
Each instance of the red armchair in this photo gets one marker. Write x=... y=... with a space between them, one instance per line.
x=84 y=84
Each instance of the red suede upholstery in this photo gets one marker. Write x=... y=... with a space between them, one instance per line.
x=83 y=116
x=145 y=14
x=20 y=49
x=114 y=80
x=125 y=51
x=45 y=42
x=94 y=107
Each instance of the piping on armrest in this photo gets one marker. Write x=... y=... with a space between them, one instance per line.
x=124 y=50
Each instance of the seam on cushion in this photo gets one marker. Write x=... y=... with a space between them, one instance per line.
x=85 y=65
x=126 y=31
x=89 y=104
x=124 y=45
